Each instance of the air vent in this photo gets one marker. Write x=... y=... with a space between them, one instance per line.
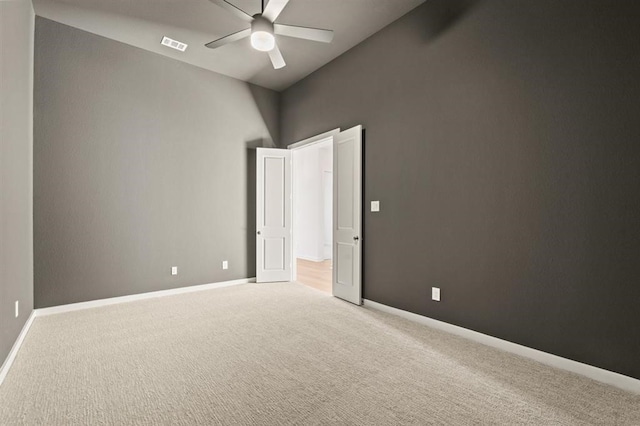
x=174 y=44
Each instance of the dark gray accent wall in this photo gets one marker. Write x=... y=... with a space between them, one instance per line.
x=16 y=171
x=503 y=142
x=141 y=163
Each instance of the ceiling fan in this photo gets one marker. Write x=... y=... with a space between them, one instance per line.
x=263 y=30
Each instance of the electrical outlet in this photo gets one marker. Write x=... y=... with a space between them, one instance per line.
x=375 y=206
x=174 y=270
x=225 y=264
x=435 y=294
x=17 y=308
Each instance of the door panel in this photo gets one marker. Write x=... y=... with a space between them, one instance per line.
x=273 y=215
x=274 y=208
x=345 y=188
x=345 y=260
x=274 y=254
x=347 y=227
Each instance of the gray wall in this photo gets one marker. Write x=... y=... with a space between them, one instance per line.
x=503 y=141
x=140 y=163
x=16 y=189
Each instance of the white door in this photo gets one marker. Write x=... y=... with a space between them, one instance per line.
x=347 y=209
x=273 y=215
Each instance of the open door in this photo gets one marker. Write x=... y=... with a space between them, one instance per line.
x=273 y=215
x=347 y=214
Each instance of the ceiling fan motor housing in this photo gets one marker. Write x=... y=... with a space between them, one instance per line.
x=262 y=33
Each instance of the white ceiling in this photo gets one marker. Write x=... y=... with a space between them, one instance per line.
x=143 y=23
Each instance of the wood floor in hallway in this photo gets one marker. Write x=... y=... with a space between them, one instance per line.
x=315 y=274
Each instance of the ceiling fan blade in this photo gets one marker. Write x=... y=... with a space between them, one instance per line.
x=233 y=9
x=229 y=39
x=276 y=58
x=273 y=9
x=315 y=34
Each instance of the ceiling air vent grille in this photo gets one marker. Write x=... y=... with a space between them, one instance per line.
x=174 y=44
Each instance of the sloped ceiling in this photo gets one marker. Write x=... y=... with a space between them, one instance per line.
x=143 y=23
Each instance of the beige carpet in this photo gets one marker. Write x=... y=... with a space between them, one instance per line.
x=281 y=354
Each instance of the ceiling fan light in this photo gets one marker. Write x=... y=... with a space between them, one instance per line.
x=263 y=41
x=262 y=34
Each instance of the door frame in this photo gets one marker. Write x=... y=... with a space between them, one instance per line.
x=306 y=143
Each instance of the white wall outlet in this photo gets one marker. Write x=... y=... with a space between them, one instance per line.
x=375 y=206
x=174 y=270
x=225 y=264
x=17 y=308
x=435 y=294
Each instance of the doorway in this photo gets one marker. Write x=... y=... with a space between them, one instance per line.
x=276 y=259
x=313 y=213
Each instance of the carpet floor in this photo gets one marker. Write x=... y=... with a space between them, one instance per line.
x=281 y=354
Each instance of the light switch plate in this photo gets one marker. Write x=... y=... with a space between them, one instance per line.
x=225 y=264
x=174 y=270
x=375 y=206
x=435 y=294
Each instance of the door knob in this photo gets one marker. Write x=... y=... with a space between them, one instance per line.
x=258 y=232
x=356 y=238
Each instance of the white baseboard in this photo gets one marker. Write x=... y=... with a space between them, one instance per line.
x=16 y=347
x=123 y=299
x=310 y=258
x=605 y=376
